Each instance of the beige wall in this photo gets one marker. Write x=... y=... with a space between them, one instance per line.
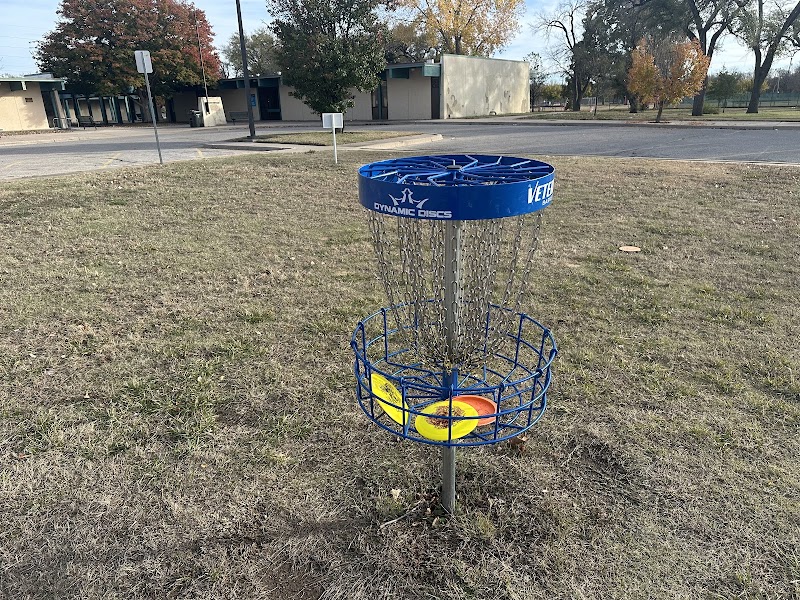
x=473 y=86
x=235 y=101
x=18 y=115
x=409 y=98
x=292 y=109
x=362 y=109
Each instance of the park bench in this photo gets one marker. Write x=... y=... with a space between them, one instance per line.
x=85 y=121
x=237 y=115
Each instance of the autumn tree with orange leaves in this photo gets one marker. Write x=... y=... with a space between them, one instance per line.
x=472 y=27
x=93 y=43
x=667 y=71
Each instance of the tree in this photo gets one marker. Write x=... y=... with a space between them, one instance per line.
x=578 y=56
x=473 y=27
x=724 y=85
x=767 y=31
x=619 y=26
x=537 y=77
x=552 y=92
x=260 y=53
x=710 y=20
x=327 y=48
x=667 y=73
x=409 y=42
x=93 y=43
x=785 y=81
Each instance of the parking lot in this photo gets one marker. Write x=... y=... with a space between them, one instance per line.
x=103 y=148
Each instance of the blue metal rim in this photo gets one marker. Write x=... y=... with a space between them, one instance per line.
x=520 y=392
x=456 y=186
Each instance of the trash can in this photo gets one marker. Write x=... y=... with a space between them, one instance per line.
x=195 y=118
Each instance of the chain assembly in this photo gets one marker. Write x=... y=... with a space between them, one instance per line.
x=474 y=305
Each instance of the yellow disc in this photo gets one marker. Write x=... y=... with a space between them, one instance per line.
x=386 y=394
x=434 y=424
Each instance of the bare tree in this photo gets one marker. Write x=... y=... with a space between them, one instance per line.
x=575 y=54
x=710 y=20
x=768 y=31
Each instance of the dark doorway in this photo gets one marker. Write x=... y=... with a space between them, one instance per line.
x=49 y=109
x=380 y=102
x=436 y=95
x=269 y=101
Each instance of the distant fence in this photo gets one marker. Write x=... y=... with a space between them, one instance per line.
x=767 y=99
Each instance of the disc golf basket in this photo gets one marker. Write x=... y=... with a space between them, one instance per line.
x=452 y=361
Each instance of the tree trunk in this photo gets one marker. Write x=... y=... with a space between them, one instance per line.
x=759 y=74
x=660 y=110
x=144 y=103
x=755 y=94
x=634 y=104
x=700 y=100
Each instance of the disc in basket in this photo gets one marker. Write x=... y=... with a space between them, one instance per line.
x=434 y=424
x=484 y=406
x=389 y=395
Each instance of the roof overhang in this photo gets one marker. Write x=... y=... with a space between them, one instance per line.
x=19 y=84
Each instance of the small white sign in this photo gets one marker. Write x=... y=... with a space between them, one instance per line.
x=332 y=120
x=143 y=62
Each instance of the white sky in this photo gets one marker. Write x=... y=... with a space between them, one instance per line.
x=23 y=22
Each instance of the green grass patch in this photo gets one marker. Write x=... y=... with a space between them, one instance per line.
x=325 y=138
x=177 y=415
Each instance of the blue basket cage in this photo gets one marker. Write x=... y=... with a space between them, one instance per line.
x=515 y=374
x=516 y=379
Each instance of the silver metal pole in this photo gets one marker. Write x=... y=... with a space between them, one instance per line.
x=335 y=156
x=452 y=311
x=153 y=116
x=449 y=479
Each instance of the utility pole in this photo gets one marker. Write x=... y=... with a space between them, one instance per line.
x=202 y=62
x=246 y=73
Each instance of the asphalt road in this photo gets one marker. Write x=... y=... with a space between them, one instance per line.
x=104 y=148
x=697 y=143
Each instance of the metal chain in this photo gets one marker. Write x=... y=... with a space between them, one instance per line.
x=493 y=269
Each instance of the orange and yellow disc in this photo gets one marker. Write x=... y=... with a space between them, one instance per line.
x=389 y=395
x=434 y=424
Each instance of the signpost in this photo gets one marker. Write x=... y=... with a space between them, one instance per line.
x=332 y=121
x=144 y=65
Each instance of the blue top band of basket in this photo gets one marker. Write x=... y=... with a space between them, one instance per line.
x=456 y=187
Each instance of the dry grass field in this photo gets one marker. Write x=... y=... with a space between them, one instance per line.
x=177 y=416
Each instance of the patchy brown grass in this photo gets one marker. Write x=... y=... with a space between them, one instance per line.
x=177 y=416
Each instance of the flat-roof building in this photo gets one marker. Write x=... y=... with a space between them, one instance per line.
x=455 y=87
x=30 y=102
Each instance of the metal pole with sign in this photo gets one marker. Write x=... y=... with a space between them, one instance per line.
x=332 y=121
x=144 y=65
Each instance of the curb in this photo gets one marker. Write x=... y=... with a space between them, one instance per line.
x=389 y=144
